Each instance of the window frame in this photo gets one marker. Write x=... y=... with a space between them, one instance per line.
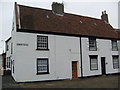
x=94 y=56
x=13 y=68
x=7 y=47
x=113 y=46
x=13 y=26
x=38 y=66
x=39 y=43
x=95 y=46
x=7 y=62
x=11 y=48
x=113 y=61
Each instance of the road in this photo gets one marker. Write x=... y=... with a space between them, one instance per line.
x=110 y=81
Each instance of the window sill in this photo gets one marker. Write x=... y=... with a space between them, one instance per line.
x=116 y=68
x=93 y=50
x=42 y=49
x=43 y=73
x=93 y=69
x=114 y=50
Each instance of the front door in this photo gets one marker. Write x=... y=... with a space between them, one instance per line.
x=103 y=65
x=74 y=69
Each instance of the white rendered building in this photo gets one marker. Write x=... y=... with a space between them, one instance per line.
x=52 y=45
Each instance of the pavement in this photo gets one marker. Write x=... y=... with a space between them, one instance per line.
x=110 y=81
x=8 y=82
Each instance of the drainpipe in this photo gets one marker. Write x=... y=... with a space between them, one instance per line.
x=81 y=58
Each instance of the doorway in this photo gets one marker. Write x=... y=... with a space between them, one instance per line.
x=74 y=69
x=103 y=66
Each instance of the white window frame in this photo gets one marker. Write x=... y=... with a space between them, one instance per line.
x=115 y=61
x=93 y=57
x=93 y=45
x=42 y=42
x=43 y=66
x=114 y=46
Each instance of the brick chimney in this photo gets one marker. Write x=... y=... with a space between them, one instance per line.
x=104 y=17
x=58 y=8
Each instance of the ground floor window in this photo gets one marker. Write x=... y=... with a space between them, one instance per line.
x=42 y=66
x=13 y=65
x=115 y=61
x=93 y=62
x=8 y=65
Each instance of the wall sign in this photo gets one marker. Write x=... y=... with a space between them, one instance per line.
x=22 y=44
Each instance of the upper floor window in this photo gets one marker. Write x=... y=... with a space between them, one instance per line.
x=13 y=26
x=42 y=42
x=7 y=47
x=92 y=44
x=116 y=62
x=114 y=45
x=11 y=48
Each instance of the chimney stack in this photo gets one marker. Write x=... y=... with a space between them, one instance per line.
x=58 y=8
x=104 y=16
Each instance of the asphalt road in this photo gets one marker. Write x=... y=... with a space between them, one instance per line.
x=110 y=81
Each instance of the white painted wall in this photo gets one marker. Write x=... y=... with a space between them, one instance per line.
x=104 y=50
x=0 y=61
x=62 y=51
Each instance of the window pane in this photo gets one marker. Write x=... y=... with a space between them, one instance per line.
x=94 y=66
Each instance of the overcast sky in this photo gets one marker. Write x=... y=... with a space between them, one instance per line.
x=90 y=8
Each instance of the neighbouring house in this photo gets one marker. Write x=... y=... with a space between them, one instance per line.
x=53 y=45
x=2 y=63
x=8 y=56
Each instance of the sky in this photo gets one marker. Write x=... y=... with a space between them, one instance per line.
x=90 y=8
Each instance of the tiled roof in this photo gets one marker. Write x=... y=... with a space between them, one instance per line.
x=118 y=34
x=45 y=20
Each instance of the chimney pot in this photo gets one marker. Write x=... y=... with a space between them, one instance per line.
x=105 y=12
x=104 y=17
x=102 y=12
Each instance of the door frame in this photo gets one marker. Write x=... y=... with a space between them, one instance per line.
x=103 y=59
x=76 y=69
